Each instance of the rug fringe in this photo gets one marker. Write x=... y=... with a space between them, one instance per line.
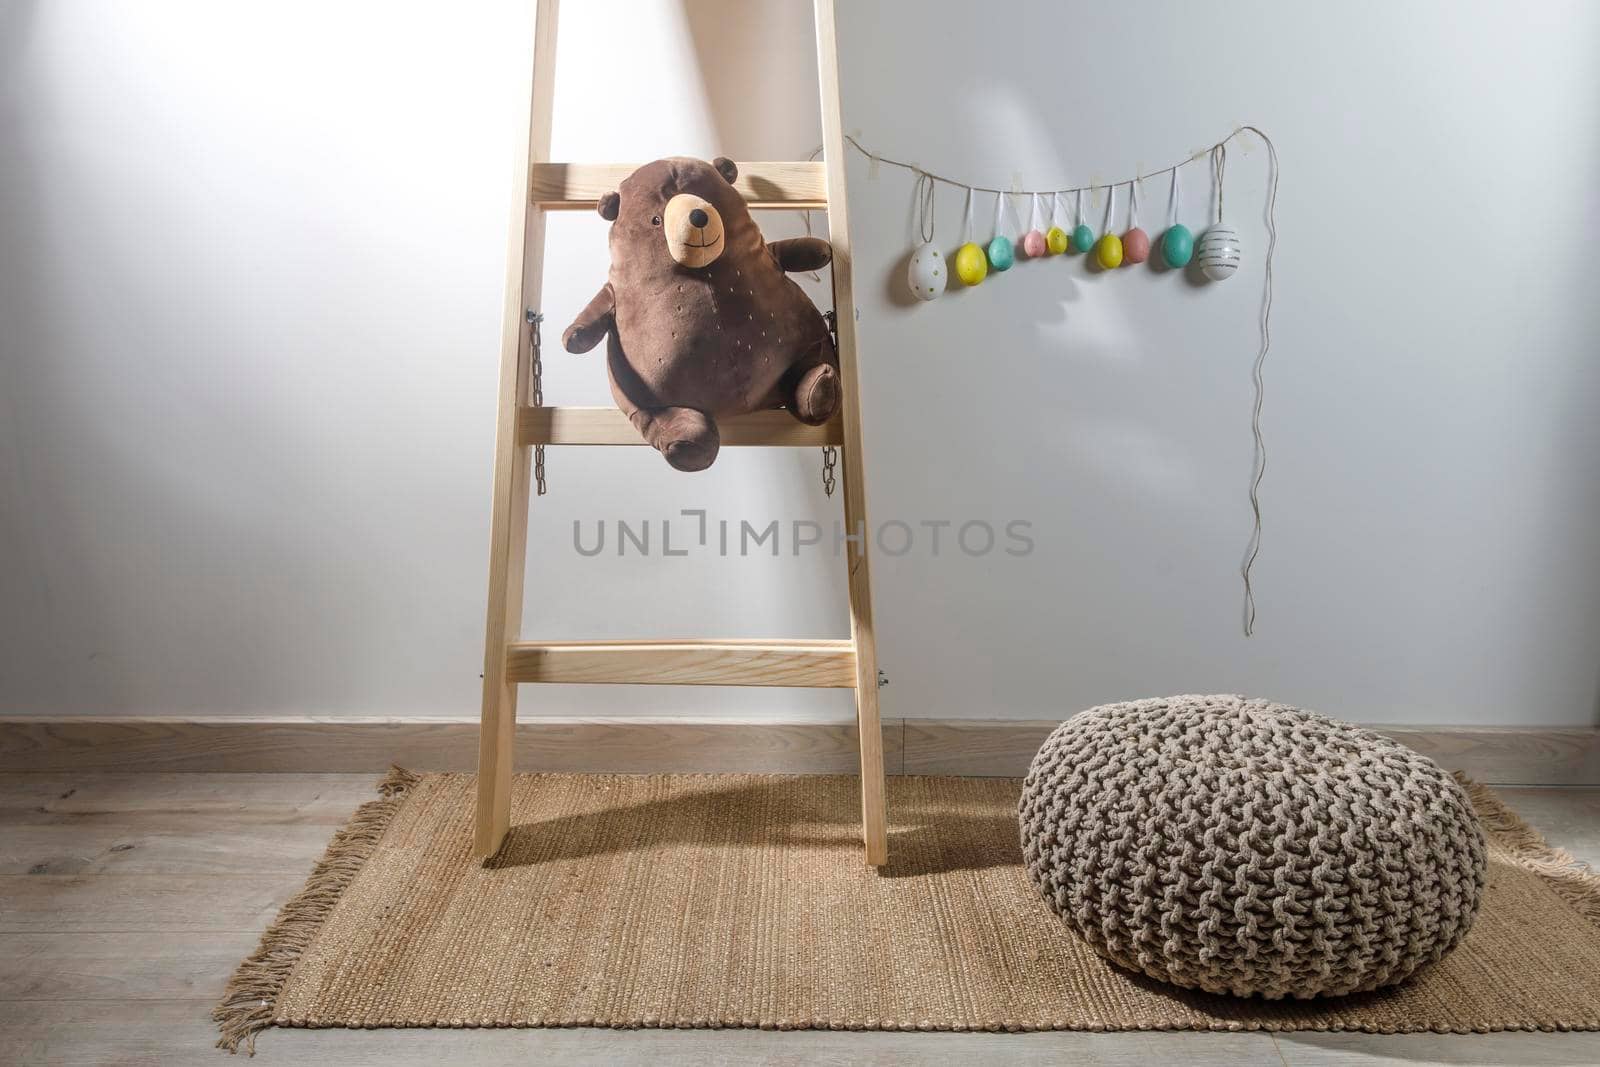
x=249 y=1001
x=1568 y=877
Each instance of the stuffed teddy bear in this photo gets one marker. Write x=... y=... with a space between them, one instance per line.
x=700 y=319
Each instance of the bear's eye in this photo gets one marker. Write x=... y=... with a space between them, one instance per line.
x=655 y=220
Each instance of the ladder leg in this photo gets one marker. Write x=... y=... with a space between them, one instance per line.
x=508 y=524
x=873 y=830
x=497 y=732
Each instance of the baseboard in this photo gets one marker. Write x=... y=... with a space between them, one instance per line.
x=1496 y=755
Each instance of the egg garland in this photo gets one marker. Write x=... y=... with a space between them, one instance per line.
x=972 y=266
x=1033 y=242
x=1001 y=254
x=926 y=274
x=1215 y=255
x=1108 y=250
x=1135 y=243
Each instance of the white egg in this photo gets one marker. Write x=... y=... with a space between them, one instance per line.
x=1218 y=252
x=927 y=273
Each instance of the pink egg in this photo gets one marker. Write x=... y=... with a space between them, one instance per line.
x=1135 y=246
x=1033 y=243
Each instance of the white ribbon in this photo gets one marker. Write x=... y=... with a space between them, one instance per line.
x=1111 y=207
x=1173 y=195
x=999 y=208
x=1133 y=204
x=966 y=223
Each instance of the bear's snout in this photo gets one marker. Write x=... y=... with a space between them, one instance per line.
x=693 y=230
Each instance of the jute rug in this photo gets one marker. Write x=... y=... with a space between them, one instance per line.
x=742 y=900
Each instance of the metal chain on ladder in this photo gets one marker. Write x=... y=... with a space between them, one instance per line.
x=536 y=369
x=830 y=454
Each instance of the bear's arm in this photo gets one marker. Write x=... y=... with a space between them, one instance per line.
x=592 y=323
x=801 y=253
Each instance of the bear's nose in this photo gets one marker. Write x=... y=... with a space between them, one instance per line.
x=698 y=218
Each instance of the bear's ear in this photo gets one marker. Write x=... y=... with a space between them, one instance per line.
x=609 y=205
x=726 y=167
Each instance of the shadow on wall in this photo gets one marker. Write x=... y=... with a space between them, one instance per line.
x=763 y=100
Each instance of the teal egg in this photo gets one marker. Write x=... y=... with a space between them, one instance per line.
x=1001 y=254
x=1082 y=238
x=1177 y=245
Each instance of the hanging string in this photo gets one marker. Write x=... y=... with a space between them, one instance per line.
x=1219 y=165
x=1257 y=374
x=999 y=209
x=1055 y=209
x=1133 y=204
x=966 y=222
x=1111 y=208
x=1077 y=214
x=1033 y=215
x=1173 y=195
x=922 y=194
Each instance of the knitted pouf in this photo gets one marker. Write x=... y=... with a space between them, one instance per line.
x=1244 y=847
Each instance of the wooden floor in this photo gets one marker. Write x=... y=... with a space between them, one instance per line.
x=126 y=900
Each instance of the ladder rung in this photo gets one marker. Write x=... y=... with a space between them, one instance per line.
x=794 y=186
x=823 y=664
x=608 y=426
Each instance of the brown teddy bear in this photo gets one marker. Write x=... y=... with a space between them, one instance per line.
x=700 y=318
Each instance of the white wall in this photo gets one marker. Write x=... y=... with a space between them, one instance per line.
x=1433 y=493
x=249 y=271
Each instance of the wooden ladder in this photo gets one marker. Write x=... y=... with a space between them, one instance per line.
x=541 y=186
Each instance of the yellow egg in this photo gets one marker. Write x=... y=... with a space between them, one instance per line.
x=1057 y=240
x=972 y=266
x=1109 y=251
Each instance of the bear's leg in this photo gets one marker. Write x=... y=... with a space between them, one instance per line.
x=688 y=438
x=812 y=386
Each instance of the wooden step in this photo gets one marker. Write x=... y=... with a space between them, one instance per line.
x=829 y=664
x=791 y=186
x=608 y=426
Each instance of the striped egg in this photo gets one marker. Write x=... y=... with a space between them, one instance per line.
x=1219 y=252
